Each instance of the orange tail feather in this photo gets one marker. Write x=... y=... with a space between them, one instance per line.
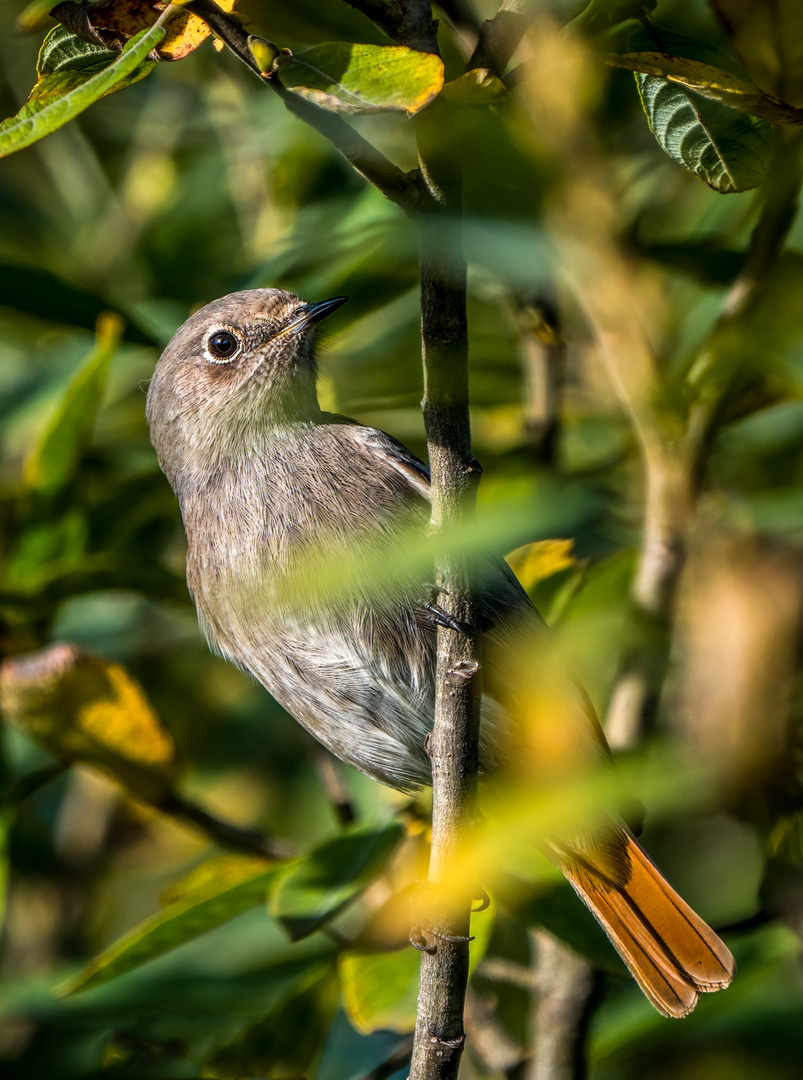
x=672 y=954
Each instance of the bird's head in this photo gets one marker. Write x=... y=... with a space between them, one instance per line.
x=241 y=366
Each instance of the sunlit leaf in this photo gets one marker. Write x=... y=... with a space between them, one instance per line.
x=315 y=888
x=380 y=990
x=112 y=23
x=52 y=462
x=534 y=562
x=769 y=40
x=726 y=87
x=221 y=889
x=363 y=78
x=86 y=709
x=59 y=97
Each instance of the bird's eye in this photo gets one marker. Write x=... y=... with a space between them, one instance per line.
x=222 y=346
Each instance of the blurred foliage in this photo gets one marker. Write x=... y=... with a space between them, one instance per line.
x=196 y=181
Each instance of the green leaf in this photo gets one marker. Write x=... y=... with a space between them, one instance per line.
x=769 y=40
x=380 y=989
x=684 y=86
x=63 y=51
x=71 y=80
x=314 y=889
x=725 y=148
x=52 y=462
x=350 y=78
x=237 y=883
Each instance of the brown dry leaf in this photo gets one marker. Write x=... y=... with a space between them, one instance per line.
x=84 y=708
x=112 y=23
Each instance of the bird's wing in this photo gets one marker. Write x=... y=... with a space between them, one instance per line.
x=382 y=447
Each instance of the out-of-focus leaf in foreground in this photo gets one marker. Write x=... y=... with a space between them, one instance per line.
x=363 y=78
x=534 y=562
x=52 y=461
x=315 y=888
x=84 y=708
x=216 y=892
x=72 y=76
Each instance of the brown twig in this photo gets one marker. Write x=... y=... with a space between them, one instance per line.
x=406 y=190
x=332 y=783
x=500 y=36
x=222 y=832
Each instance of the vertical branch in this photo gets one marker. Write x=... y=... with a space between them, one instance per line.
x=675 y=470
x=564 y=982
x=439 y=1035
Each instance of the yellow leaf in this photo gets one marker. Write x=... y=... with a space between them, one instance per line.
x=86 y=709
x=534 y=562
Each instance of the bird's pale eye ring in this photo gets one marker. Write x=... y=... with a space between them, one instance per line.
x=222 y=346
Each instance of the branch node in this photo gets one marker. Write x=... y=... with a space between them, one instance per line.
x=449 y=1044
x=465 y=669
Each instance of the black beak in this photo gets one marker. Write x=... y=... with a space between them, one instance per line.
x=309 y=314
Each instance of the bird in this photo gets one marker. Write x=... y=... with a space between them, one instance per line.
x=269 y=488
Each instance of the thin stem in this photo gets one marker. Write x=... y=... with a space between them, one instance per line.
x=332 y=784
x=543 y=358
x=500 y=36
x=222 y=832
x=439 y=1035
x=406 y=190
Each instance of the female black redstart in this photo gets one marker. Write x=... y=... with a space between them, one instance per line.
x=269 y=487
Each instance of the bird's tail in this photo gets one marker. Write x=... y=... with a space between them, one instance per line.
x=672 y=954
